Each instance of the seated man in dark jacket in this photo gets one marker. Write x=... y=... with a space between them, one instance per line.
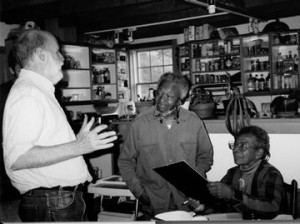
x=254 y=187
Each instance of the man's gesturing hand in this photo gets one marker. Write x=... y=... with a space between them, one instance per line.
x=92 y=140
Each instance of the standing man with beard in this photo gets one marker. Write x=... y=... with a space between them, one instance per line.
x=42 y=156
x=164 y=134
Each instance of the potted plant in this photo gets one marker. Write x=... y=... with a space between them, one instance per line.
x=202 y=102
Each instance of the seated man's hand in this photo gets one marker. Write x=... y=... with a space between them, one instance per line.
x=195 y=205
x=220 y=190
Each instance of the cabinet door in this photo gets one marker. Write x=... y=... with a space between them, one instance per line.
x=256 y=64
x=76 y=71
x=285 y=60
x=104 y=74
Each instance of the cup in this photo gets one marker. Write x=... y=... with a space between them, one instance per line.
x=74 y=97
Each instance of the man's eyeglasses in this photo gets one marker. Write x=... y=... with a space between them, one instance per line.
x=242 y=146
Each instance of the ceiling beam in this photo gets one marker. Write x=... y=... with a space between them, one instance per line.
x=231 y=6
x=153 y=12
x=159 y=23
x=272 y=9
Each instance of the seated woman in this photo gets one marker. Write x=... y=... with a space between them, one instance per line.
x=254 y=187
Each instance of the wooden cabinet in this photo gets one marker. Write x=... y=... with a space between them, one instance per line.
x=77 y=74
x=104 y=81
x=270 y=63
x=212 y=64
x=262 y=64
x=93 y=74
x=210 y=61
x=256 y=64
x=285 y=59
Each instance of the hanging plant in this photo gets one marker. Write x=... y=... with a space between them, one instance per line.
x=238 y=112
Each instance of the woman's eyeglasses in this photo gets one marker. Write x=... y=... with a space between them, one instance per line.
x=242 y=146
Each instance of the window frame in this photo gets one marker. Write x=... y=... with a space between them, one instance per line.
x=135 y=48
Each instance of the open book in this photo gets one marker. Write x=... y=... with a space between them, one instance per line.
x=186 y=179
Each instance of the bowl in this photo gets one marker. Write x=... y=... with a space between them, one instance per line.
x=175 y=215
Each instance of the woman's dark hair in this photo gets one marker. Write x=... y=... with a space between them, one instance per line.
x=180 y=80
x=261 y=136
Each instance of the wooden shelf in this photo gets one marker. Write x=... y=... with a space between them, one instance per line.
x=79 y=102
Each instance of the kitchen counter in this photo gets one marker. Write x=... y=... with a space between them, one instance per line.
x=284 y=136
x=272 y=126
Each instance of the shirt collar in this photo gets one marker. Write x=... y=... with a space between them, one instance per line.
x=251 y=169
x=39 y=80
x=171 y=114
x=182 y=114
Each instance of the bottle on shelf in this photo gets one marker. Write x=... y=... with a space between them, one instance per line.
x=99 y=76
x=228 y=62
x=268 y=82
x=211 y=65
x=288 y=63
x=275 y=81
x=215 y=49
x=197 y=66
x=279 y=63
x=106 y=75
x=216 y=64
x=280 y=80
x=254 y=64
x=276 y=39
x=197 y=79
x=99 y=93
x=287 y=83
x=293 y=83
x=293 y=39
x=261 y=82
x=296 y=62
x=198 y=50
x=256 y=83
x=251 y=83
x=295 y=80
x=258 y=65
x=222 y=63
x=249 y=64
x=221 y=48
x=229 y=46
x=195 y=53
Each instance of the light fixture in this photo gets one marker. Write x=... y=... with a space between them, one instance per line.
x=130 y=35
x=211 y=6
x=117 y=36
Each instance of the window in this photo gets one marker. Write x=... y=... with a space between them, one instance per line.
x=150 y=65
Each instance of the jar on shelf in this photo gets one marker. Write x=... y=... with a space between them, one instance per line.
x=251 y=83
x=106 y=75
